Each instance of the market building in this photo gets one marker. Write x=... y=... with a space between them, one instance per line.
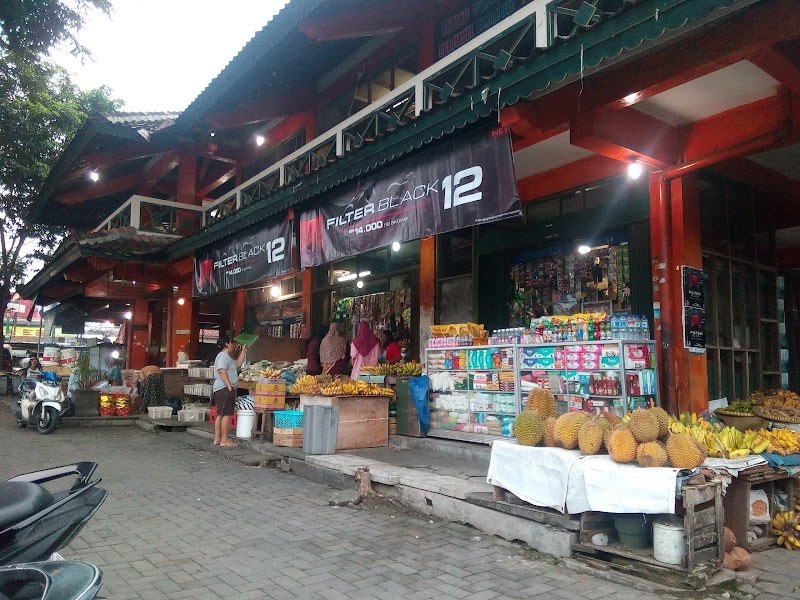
x=421 y=163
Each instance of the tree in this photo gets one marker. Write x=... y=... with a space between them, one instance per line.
x=40 y=111
x=35 y=26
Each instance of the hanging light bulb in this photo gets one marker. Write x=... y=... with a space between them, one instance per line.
x=181 y=301
x=275 y=291
x=94 y=176
x=115 y=354
x=634 y=169
x=584 y=249
x=359 y=284
x=129 y=315
x=260 y=139
x=396 y=247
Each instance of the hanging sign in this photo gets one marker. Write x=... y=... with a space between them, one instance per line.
x=694 y=308
x=244 y=258
x=460 y=183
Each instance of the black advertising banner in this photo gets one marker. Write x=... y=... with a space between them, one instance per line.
x=244 y=258
x=460 y=183
x=694 y=308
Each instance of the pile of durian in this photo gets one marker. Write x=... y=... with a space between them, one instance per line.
x=645 y=437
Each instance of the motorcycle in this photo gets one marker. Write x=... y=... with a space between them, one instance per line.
x=56 y=580
x=42 y=403
x=35 y=523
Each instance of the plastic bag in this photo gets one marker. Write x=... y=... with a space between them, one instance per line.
x=418 y=386
x=759 y=507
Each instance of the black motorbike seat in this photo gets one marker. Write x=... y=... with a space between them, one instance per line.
x=20 y=500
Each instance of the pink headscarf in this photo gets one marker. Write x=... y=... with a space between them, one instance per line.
x=365 y=341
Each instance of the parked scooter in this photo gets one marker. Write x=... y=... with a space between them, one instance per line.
x=42 y=403
x=35 y=523
x=56 y=580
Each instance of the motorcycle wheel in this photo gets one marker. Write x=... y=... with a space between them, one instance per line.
x=47 y=420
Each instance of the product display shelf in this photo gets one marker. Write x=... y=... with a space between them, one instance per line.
x=623 y=369
x=469 y=413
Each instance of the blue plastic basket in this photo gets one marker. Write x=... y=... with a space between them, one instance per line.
x=289 y=419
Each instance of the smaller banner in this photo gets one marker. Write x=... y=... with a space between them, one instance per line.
x=244 y=258
x=694 y=308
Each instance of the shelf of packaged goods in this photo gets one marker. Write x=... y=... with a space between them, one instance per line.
x=484 y=347
x=464 y=436
x=511 y=392
x=606 y=370
x=588 y=396
x=493 y=412
x=460 y=370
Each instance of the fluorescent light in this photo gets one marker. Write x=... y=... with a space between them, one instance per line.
x=396 y=246
x=94 y=175
x=275 y=291
x=360 y=284
x=584 y=249
x=365 y=273
x=634 y=169
x=348 y=277
x=260 y=140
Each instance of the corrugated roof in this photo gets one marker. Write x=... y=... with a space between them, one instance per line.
x=151 y=121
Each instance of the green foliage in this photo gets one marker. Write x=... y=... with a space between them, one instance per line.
x=86 y=375
x=33 y=27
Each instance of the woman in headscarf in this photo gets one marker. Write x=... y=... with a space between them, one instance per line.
x=366 y=349
x=314 y=366
x=333 y=352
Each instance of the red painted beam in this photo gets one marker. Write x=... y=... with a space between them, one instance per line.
x=576 y=174
x=774 y=63
x=271 y=106
x=744 y=124
x=218 y=181
x=384 y=17
x=213 y=151
x=97 y=161
x=160 y=169
x=736 y=39
x=187 y=179
x=101 y=188
x=626 y=134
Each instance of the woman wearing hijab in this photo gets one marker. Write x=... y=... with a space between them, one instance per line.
x=314 y=366
x=333 y=352
x=366 y=349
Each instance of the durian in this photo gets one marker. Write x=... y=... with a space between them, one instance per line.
x=663 y=422
x=528 y=428
x=685 y=452
x=651 y=454
x=622 y=446
x=543 y=402
x=567 y=425
x=549 y=431
x=590 y=437
x=644 y=425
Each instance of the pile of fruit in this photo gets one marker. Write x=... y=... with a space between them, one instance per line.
x=777 y=405
x=351 y=387
x=309 y=385
x=786 y=525
x=409 y=369
x=742 y=407
x=781 y=441
x=259 y=370
x=727 y=442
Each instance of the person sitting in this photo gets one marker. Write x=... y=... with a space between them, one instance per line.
x=391 y=349
x=114 y=374
x=33 y=370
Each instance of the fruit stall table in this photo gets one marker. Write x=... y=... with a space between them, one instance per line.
x=597 y=488
x=363 y=420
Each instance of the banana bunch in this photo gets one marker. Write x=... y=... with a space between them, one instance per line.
x=384 y=369
x=350 y=387
x=786 y=525
x=781 y=441
x=270 y=373
x=732 y=443
x=688 y=421
x=409 y=369
x=306 y=385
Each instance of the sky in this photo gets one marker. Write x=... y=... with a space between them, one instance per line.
x=158 y=55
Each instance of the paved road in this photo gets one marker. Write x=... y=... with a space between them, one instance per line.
x=182 y=522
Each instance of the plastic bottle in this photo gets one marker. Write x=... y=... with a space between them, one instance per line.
x=645 y=325
x=591 y=329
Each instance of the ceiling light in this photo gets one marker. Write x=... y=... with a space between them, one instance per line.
x=396 y=246
x=634 y=169
x=260 y=140
x=129 y=315
x=365 y=273
x=584 y=249
x=348 y=277
x=94 y=175
x=213 y=133
x=115 y=354
x=275 y=291
x=181 y=301
x=360 y=284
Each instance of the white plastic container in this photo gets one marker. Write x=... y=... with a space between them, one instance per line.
x=245 y=419
x=51 y=356
x=191 y=416
x=669 y=540
x=159 y=412
x=68 y=357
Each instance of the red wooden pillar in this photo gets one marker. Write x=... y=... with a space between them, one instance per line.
x=237 y=312
x=308 y=278
x=185 y=332
x=662 y=308
x=187 y=179
x=137 y=345
x=427 y=289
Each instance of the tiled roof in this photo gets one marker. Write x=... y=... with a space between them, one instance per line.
x=151 y=121
x=124 y=241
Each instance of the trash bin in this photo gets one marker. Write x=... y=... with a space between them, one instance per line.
x=320 y=424
x=244 y=424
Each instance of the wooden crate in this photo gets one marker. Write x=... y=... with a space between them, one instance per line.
x=287 y=438
x=363 y=420
x=702 y=521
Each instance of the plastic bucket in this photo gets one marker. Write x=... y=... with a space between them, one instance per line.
x=635 y=530
x=51 y=356
x=245 y=419
x=68 y=357
x=669 y=543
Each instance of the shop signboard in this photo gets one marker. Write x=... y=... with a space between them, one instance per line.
x=243 y=258
x=694 y=309
x=460 y=183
